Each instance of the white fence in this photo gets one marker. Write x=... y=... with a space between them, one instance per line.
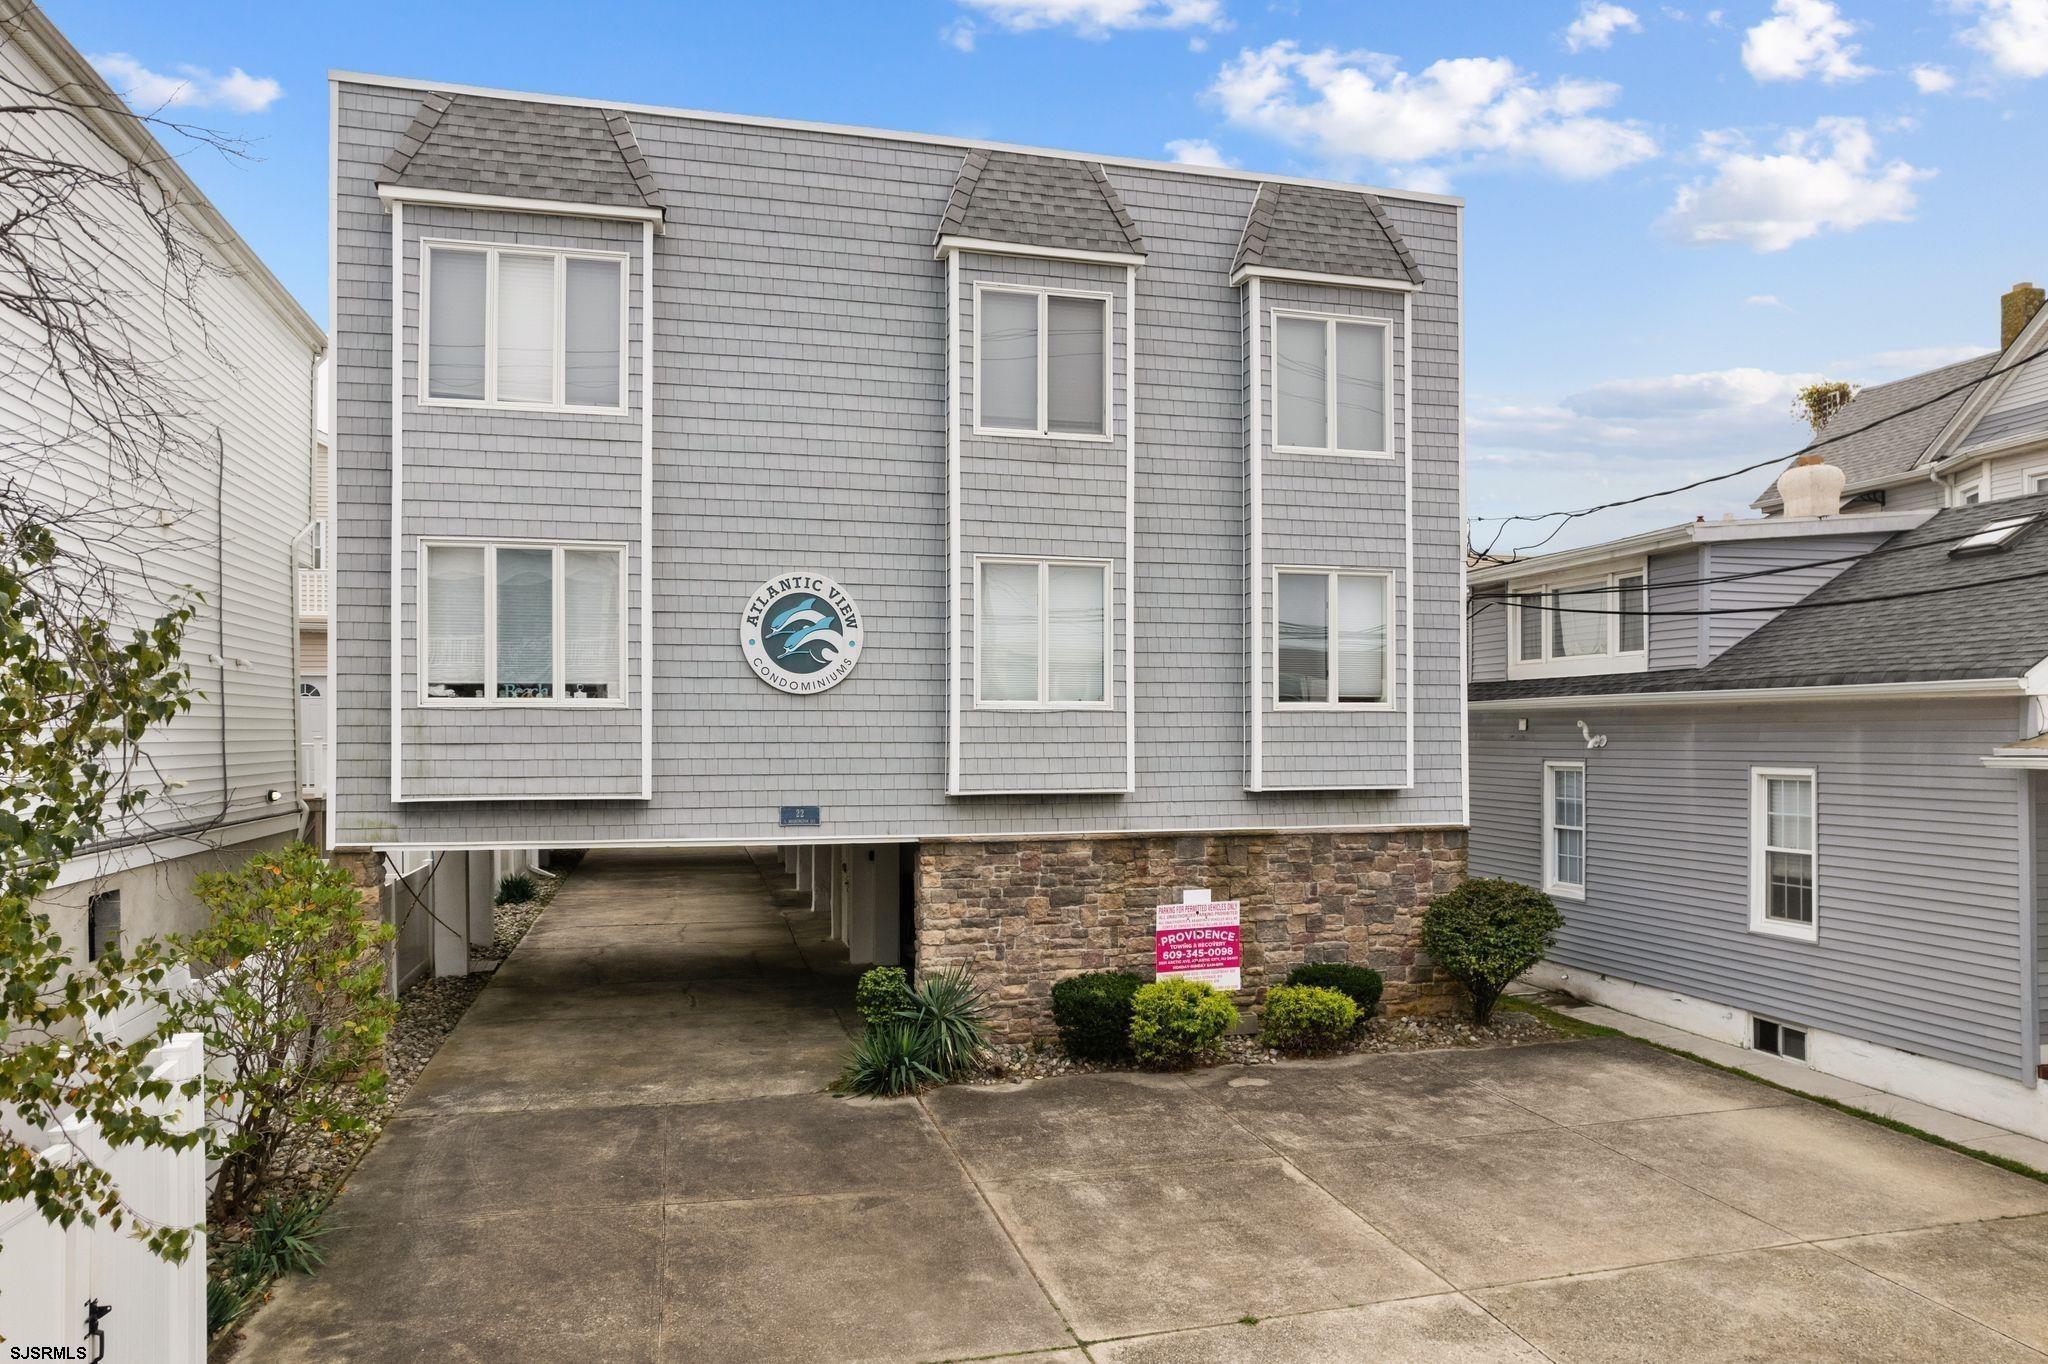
x=155 y=1310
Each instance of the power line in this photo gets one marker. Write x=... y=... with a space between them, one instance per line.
x=1567 y=517
x=1806 y=605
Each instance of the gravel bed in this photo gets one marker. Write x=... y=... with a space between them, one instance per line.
x=1014 y=1061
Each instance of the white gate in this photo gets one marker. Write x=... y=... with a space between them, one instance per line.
x=155 y=1310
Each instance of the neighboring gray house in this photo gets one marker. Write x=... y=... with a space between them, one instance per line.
x=1786 y=792
x=1089 y=528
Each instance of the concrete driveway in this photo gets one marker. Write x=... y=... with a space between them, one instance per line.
x=624 y=1153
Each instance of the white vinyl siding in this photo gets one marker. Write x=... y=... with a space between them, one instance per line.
x=1330 y=382
x=1784 y=852
x=1042 y=633
x=524 y=328
x=1564 y=829
x=522 y=624
x=1331 y=643
x=1041 y=363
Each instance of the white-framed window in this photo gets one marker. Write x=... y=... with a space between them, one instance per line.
x=1042 y=633
x=1590 y=624
x=1332 y=641
x=1564 y=829
x=1784 y=896
x=1968 y=493
x=317 y=544
x=1780 y=1039
x=508 y=326
x=2034 y=480
x=1332 y=380
x=522 y=623
x=1042 y=362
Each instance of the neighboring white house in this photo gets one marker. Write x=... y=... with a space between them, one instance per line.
x=313 y=590
x=228 y=771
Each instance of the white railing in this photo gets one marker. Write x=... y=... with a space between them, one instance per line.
x=154 y=1310
x=313 y=767
x=312 y=594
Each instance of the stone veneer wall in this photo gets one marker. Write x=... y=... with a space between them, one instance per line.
x=1022 y=914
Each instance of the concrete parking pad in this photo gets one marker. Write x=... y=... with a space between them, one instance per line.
x=1155 y=1248
x=1439 y=1330
x=892 y=1276
x=1760 y=1307
x=1993 y=1272
x=627 y=1151
x=1526 y=1205
x=1817 y=1173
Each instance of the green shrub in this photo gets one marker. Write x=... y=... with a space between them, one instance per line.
x=1306 y=1019
x=516 y=889
x=882 y=994
x=293 y=1010
x=948 y=1012
x=1487 y=932
x=228 y=1299
x=1093 y=1014
x=1177 y=1023
x=889 y=1059
x=284 y=1238
x=1360 y=984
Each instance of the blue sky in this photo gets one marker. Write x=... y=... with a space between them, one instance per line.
x=1675 y=215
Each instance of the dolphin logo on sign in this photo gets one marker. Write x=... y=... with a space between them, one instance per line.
x=801 y=633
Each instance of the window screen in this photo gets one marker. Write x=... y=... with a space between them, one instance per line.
x=590 y=625
x=590 y=363
x=1303 y=670
x=1008 y=356
x=526 y=623
x=455 y=620
x=1008 y=633
x=1076 y=647
x=1361 y=388
x=1633 y=602
x=455 y=320
x=1075 y=365
x=1303 y=378
x=1361 y=638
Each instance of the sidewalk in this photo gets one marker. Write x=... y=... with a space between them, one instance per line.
x=1978 y=1136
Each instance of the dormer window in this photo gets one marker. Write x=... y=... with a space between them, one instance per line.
x=540 y=330
x=1041 y=363
x=1590 y=624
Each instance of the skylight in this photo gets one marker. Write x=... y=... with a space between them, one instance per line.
x=1993 y=537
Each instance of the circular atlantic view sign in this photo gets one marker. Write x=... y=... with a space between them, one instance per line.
x=801 y=633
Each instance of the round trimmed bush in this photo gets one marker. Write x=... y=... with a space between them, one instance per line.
x=1487 y=932
x=1177 y=1023
x=882 y=994
x=1093 y=1014
x=516 y=889
x=1305 y=1019
x=1360 y=984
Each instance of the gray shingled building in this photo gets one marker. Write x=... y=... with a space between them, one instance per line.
x=1785 y=775
x=1016 y=539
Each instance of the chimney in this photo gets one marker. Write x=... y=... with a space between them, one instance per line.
x=1811 y=487
x=2016 y=309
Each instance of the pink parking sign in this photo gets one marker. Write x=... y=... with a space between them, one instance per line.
x=1198 y=942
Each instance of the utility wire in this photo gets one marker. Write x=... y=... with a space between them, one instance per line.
x=1807 y=605
x=1567 y=517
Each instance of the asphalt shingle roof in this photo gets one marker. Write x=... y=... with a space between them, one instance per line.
x=1046 y=201
x=1324 y=232
x=516 y=149
x=1882 y=443
x=1983 y=632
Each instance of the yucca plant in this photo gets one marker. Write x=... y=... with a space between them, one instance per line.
x=227 y=1300
x=284 y=1238
x=889 y=1060
x=948 y=1009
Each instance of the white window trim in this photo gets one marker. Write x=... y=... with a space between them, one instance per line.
x=1759 y=861
x=1045 y=566
x=1108 y=301
x=1958 y=486
x=1331 y=322
x=561 y=256
x=1563 y=890
x=2027 y=477
x=1613 y=660
x=490 y=700
x=1386 y=577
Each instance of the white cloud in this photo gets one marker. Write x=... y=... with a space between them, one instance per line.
x=1100 y=18
x=1598 y=22
x=1821 y=179
x=959 y=34
x=1763 y=301
x=1885 y=365
x=1933 y=80
x=1196 y=151
x=1803 y=38
x=1361 y=107
x=2012 y=33
x=192 y=87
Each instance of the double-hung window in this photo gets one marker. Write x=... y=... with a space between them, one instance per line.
x=1330 y=383
x=522 y=624
x=518 y=328
x=1784 y=852
x=1042 y=633
x=1564 y=829
x=1331 y=641
x=1594 y=624
x=1041 y=362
